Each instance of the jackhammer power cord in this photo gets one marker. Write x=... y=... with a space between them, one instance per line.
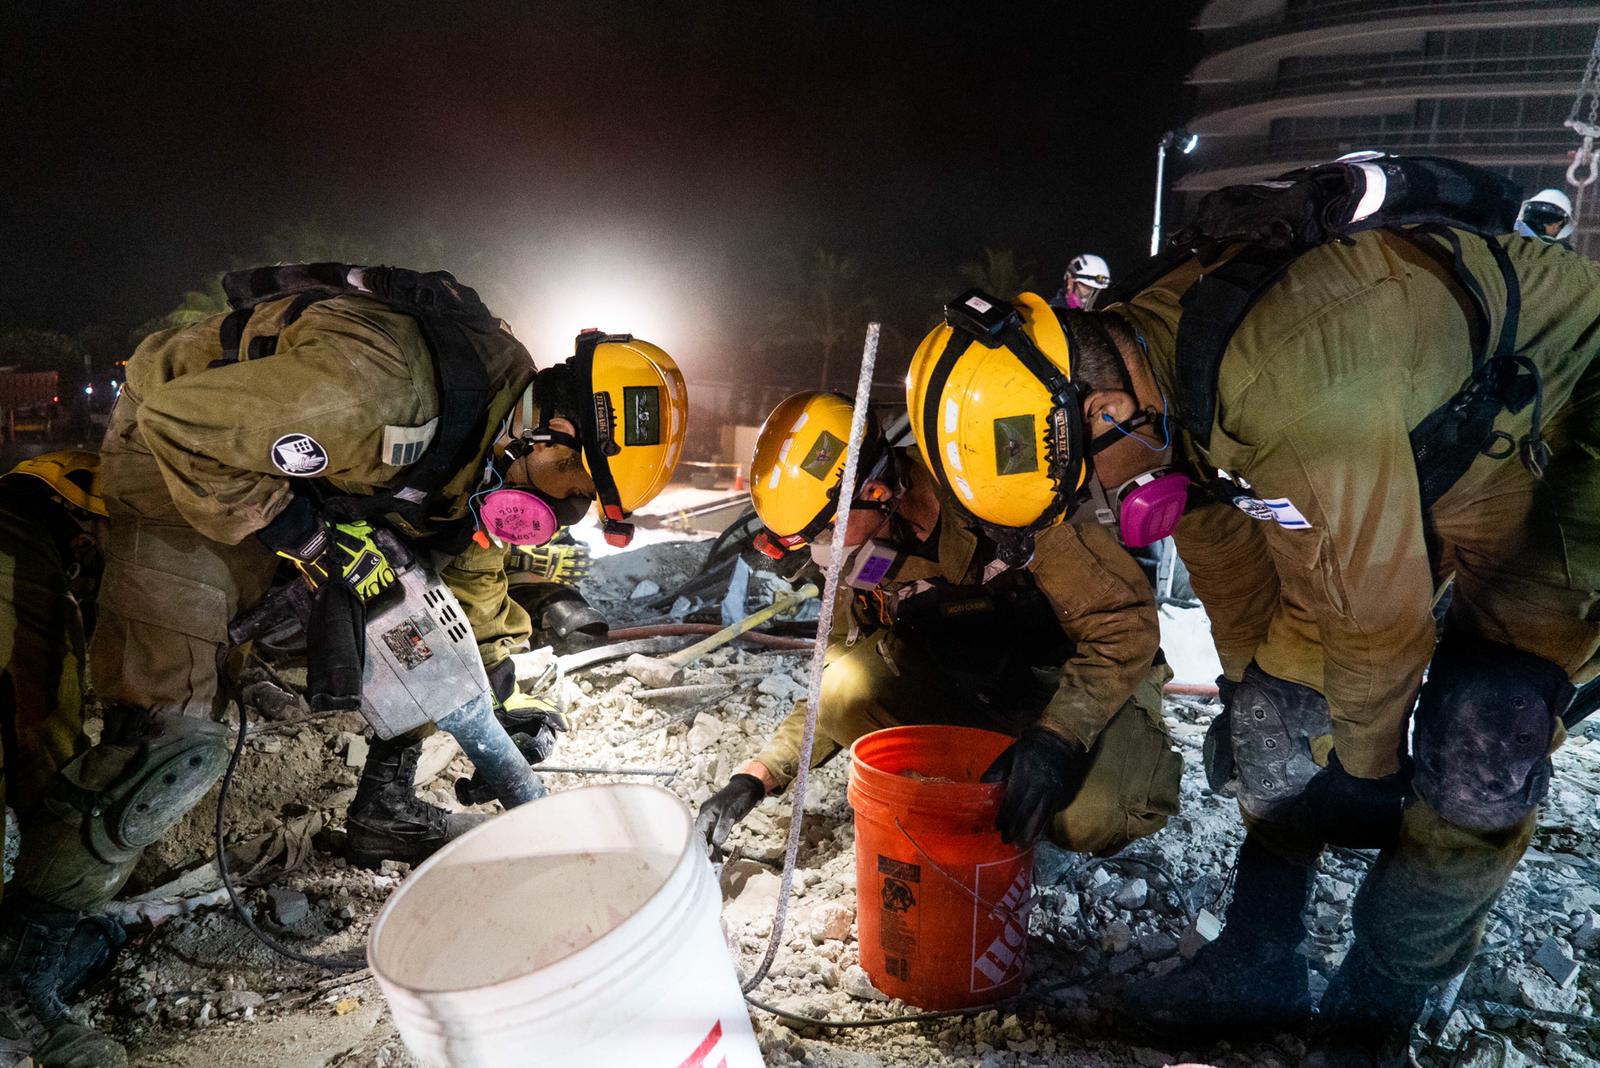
x=830 y=589
x=342 y=964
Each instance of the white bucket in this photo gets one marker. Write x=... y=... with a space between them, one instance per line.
x=580 y=929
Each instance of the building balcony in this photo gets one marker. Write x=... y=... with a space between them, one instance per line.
x=1386 y=85
x=1231 y=160
x=1251 y=48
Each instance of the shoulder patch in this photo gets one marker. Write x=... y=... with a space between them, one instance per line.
x=299 y=455
x=404 y=445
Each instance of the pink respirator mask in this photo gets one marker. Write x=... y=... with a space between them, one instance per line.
x=1149 y=506
x=517 y=517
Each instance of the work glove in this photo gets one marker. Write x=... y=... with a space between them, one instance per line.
x=1299 y=210
x=725 y=808
x=1042 y=772
x=321 y=550
x=1222 y=773
x=566 y=562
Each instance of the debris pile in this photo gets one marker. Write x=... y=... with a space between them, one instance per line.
x=196 y=989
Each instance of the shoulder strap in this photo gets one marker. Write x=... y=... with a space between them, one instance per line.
x=444 y=310
x=1213 y=308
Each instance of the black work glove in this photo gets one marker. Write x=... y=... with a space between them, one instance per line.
x=1299 y=210
x=1222 y=772
x=727 y=807
x=1043 y=772
x=1342 y=810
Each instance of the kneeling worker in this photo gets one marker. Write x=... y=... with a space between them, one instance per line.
x=1059 y=651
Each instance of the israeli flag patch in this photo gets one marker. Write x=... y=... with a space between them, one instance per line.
x=1279 y=510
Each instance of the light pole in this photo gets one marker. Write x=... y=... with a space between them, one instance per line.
x=1184 y=142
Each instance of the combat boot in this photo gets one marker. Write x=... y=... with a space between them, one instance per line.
x=34 y=1021
x=1365 y=1018
x=387 y=820
x=1252 y=979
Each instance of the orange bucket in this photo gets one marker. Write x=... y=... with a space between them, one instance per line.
x=941 y=900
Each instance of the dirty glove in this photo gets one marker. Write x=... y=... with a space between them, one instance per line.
x=566 y=562
x=1299 y=210
x=321 y=550
x=1222 y=773
x=727 y=807
x=528 y=712
x=1042 y=772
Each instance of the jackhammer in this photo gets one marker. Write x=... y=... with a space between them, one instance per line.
x=408 y=652
x=414 y=654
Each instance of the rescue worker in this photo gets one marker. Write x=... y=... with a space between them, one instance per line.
x=1547 y=215
x=1365 y=470
x=1061 y=652
x=49 y=567
x=1087 y=277
x=332 y=398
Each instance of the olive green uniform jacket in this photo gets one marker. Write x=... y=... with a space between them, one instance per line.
x=1107 y=693
x=1317 y=394
x=193 y=466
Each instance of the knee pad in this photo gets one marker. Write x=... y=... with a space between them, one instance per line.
x=1273 y=723
x=1485 y=722
x=132 y=791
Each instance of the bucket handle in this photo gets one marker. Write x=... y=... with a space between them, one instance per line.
x=1020 y=913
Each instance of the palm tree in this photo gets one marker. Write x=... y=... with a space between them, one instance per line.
x=999 y=273
x=831 y=304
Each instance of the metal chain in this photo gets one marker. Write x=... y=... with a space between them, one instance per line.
x=1587 y=157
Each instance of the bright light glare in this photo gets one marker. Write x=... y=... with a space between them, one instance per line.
x=617 y=304
x=88 y=391
x=1190 y=143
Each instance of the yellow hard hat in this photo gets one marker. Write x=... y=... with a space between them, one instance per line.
x=73 y=474
x=995 y=412
x=799 y=460
x=632 y=409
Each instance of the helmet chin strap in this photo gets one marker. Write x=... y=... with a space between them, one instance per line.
x=569 y=387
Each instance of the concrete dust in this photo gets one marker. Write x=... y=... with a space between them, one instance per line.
x=200 y=991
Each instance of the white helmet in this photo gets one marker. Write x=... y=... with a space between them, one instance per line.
x=1545 y=207
x=1091 y=270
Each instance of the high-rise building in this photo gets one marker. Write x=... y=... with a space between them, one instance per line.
x=1287 y=83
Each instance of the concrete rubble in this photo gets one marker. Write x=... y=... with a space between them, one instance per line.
x=197 y=990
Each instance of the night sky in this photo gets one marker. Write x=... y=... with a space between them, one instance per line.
x=655 y=167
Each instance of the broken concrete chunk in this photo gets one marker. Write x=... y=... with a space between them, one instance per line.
x=646 y=588
x=355 y=749
x=1557 y=963
x=1202 y=930
x=858 y=986
x=1586 y=938
x=833 y=921
x=238 y=1000
x=1132 y=894
x=1116 y=937
x=289 y=907
x=704 y=732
